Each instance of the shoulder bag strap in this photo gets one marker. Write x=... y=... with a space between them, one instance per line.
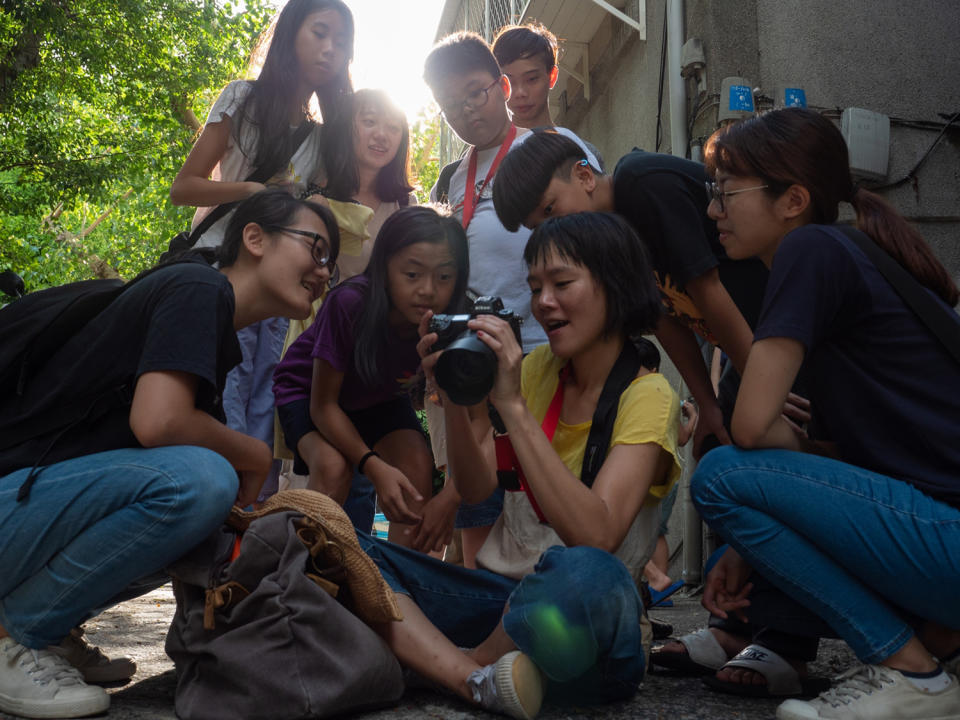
x=941 y=322
x=260 y=175
x=624 y=370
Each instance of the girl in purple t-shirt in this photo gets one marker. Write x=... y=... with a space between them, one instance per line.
x=341 y=389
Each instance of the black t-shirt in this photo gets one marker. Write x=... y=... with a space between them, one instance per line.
x=664 y=199
x=178 y=318
x=884 y=388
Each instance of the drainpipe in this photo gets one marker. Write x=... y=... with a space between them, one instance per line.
x=678 y=93
x=692 y=534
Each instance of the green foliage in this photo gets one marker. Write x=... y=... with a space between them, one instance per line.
x=99 y=101
x=425 y=150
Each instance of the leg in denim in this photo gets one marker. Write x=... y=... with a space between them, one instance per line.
x=361 y=503
x=849 y=544
x=577 y=616
x=95 y=524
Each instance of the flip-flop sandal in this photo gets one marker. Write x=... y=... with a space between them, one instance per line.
x=783 y=681
x=702 y=654
x=658 y=598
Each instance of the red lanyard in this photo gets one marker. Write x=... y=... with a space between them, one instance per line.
x=507 y=458
x=471 y=195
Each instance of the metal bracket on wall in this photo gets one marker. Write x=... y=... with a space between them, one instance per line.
x=640 y=27
x=583 y=75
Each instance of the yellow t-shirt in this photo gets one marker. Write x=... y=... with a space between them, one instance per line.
x=649 y=412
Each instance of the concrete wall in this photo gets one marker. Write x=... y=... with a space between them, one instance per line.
x=894 y=57
x=897 y=57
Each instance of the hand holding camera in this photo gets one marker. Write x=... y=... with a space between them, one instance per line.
x=472 y=345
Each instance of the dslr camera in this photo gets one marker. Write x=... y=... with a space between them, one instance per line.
x=467 y=367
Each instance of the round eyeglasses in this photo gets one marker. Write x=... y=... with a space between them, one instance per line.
x=319 y=250
x=475 y=100
x=715 y=193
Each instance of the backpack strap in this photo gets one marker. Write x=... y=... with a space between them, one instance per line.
x=443 y=181
x=942 y=323
x=260 y=175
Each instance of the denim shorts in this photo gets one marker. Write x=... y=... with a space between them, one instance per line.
x=373 y=423
x=666 y=508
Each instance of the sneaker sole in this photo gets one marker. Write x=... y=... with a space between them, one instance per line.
x=517 y=674
x=72 y=708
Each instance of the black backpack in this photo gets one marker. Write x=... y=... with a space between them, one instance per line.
x=32 y=329
x=443 y=181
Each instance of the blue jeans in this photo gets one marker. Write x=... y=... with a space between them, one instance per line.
x=855 y=547
x=361 y=504
x=93 y=525
x=577 y=615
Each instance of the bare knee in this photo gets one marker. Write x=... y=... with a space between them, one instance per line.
x=330 y=473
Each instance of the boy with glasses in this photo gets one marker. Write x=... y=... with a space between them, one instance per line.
x=472 y=94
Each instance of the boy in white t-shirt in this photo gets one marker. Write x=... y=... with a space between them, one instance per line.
x=472 y=93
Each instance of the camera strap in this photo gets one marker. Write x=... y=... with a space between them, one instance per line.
x=471 y=195
x=622 y=373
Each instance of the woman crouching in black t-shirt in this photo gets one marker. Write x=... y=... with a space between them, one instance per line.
x=867 y=537
x=115 y=496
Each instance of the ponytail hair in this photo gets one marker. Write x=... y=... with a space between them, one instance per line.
x=889 y=229
x=797 y=146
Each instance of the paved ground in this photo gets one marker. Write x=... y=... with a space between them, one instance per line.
x=137 y=628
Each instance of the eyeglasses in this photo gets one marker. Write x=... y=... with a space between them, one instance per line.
x=319 y=250
x=475 y=100
x=715 y=193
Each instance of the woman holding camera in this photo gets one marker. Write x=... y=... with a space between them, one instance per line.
x=554 y=607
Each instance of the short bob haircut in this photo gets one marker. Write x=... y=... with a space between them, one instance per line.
x=340 y=158
x=527 y=170
x=458 y=54
x=276 y=207
x=609 y=248
x=525 y=42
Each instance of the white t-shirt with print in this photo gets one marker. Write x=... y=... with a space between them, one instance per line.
x=236 y=163
x=496 y=254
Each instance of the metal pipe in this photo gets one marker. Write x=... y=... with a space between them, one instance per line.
x=678 y=93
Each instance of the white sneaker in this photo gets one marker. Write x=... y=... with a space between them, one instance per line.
x=511 y=686
x=876 y=692
x=91 y=662
x=41 y=684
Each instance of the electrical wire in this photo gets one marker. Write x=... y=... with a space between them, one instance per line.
x=663 y=66
x=911 y=174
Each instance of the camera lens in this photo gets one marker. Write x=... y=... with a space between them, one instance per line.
x=466 y=370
